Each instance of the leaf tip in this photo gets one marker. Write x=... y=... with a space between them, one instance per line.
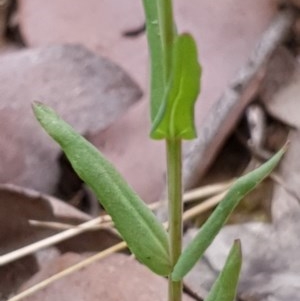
x=37 y=104
x=238 y=246
x=39 y=108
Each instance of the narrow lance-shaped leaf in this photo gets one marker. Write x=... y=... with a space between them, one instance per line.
x=224 y=289
x=153 y=25
x=160 y=32
x=175 y=119
x=144 y=235
x=214 y=223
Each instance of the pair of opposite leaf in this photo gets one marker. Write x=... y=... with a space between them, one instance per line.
x=138 y=226
x=175 y=74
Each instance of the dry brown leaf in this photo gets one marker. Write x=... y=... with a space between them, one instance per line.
x=114 y=278
x=86 y=90
x=17 y=207
x=271 y=264
x=285 y=103
x=99 y=25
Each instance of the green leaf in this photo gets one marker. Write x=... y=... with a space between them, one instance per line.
x=145 y=236
x=156 y=54
x=160 y=32
x=214 y=223
x=224 y=289
x=175 y=119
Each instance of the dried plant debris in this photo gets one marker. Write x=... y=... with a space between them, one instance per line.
x=17 y=207
x=25 y=205
x=115 y=278
x=271 y=263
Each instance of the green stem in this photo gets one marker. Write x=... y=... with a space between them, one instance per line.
x=175 y=211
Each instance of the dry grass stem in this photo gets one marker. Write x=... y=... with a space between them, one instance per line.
x=63 y=226
x=12 y=256
x=191 y=213
x=206 y=191
x=205 y=206
x=106 y=222
x=90 y=225
x=118 y=247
